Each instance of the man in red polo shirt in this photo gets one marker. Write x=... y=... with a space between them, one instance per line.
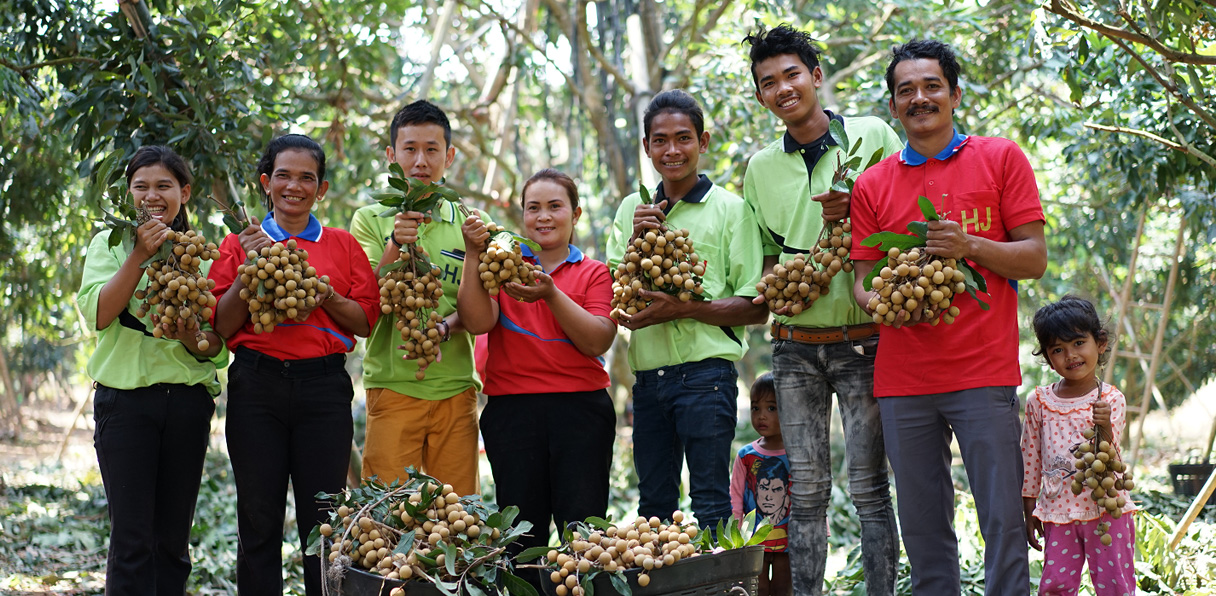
x=960 y=379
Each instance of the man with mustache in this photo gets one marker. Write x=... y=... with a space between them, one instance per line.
x=933 y=381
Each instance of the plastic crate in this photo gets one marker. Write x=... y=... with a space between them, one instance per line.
x=1188 y=479
x=357 y=582
x=726 y=572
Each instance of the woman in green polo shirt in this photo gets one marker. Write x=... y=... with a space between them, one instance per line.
x=154 y=395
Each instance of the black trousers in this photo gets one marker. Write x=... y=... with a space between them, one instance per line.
x=550 y=454
x=151 y=443
x=287 y=419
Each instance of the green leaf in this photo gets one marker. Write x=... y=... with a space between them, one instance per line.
x=620 y=584
x=509 y=514
x=532 y=553
x=405 y=546
x=856 y=144
x=473 y=588
x=395 y=169
x=388 y=198
x=927 y=209
x=314 y=541
x=588 y=584
x=398 y=183
x=920 y=228
x=868 y=282
x=888 y=239
x=390 y=212
x=598 y=523
x=836 y=129
x=115 y=238
x=644 y=192
x=166 y=249
x=395 y=265
x=972 y=276
x=841 y=186
x=517 y=586
x=234 y=226
x=449 y=556
x=874 y=158
x=530 y=243
x=759 y=535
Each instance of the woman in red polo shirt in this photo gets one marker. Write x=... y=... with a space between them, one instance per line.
x=288 y=391
x=549 y=423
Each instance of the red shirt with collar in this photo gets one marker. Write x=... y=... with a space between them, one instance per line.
x=333 y=252
x=528 y=353
x=987 y=185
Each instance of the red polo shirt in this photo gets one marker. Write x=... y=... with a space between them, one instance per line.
x=333 y=252
x=987 y=185
x=528 y=351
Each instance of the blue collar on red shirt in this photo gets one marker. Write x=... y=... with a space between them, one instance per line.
x=312 y=232
x=575 y=256
x=909 y=156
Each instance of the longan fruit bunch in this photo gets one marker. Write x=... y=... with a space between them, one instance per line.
x=430 y=517
x=661 y=260
x=279 y=283
x=646 y=543
x=502 y=262
x=915 y=281
x=177 y=291
x=799 y=282
x=412 y=291
x=1101 y=472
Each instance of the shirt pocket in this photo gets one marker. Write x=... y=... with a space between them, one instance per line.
x=979 y=213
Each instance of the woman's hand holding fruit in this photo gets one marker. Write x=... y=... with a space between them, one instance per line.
x=544 y=289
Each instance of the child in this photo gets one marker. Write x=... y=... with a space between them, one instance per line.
x=155 y=394
x=760 y=482
x=1072 y=339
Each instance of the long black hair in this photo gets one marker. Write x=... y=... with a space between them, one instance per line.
x=151 y=155
x=285 y=143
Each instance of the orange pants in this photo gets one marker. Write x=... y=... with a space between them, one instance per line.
x=438 y=437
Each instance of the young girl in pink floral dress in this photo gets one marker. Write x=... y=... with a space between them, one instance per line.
x=1072 y=339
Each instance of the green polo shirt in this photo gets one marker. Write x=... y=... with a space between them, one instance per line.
x=724 y=235
x=778 y=187
x=127 y=356
x=383 y=365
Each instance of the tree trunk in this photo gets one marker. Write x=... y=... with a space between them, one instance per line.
x=10 y=408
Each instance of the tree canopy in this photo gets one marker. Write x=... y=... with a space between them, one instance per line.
x=1111 y=102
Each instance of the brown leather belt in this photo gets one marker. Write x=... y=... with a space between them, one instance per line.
x=825 y=335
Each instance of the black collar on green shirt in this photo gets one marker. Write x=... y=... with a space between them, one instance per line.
x=695 y=195
x=814 y=150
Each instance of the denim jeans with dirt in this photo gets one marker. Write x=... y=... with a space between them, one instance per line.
x=806 y=376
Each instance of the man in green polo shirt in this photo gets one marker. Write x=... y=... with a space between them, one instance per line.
x=830 y=347
x=431 y=423
x=683 y=353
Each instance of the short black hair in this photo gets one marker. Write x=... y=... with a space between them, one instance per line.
x=290 y=142
x=151 y=155
x=763 y=386
x=780 y=40
x=677 y=101
x=773 y=468
x=927 y=49
x=420 y=112
x=1070 y=318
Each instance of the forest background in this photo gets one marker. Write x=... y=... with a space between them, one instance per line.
x=1112 y=101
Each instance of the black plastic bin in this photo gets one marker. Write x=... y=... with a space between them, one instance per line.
x=703 y=575
x=1188 y=479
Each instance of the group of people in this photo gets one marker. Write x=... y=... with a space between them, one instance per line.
x=549 y=424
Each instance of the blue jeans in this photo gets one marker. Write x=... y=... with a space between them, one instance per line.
x=985 y=422
x=685 y=411
x=806 y=376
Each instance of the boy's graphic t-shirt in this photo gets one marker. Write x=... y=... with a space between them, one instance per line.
x=760 y=482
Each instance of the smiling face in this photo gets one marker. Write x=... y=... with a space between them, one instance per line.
x=923 y=100
x=788 y=88
x=674 y=147
x=1075 y=360
x=548 y=217
x=156 y=189
x=293 y=184
x=422 y=152
x=764 y=416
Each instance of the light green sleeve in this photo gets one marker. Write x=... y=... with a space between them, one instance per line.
x=363 y=226
x=622 y=229
x=751 y=196
x=746 y=255
x=100 y=265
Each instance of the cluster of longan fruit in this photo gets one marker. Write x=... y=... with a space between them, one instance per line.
x=369 y=539
x=502 y=262
x=1101 y=472
x=799 y=282
x=279 y=284
x=412 y=293
x=914 y=281
x=646 y=543
x=660 y=260
x=177 y=291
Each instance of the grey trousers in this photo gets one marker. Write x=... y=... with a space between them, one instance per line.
x=918 y=430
